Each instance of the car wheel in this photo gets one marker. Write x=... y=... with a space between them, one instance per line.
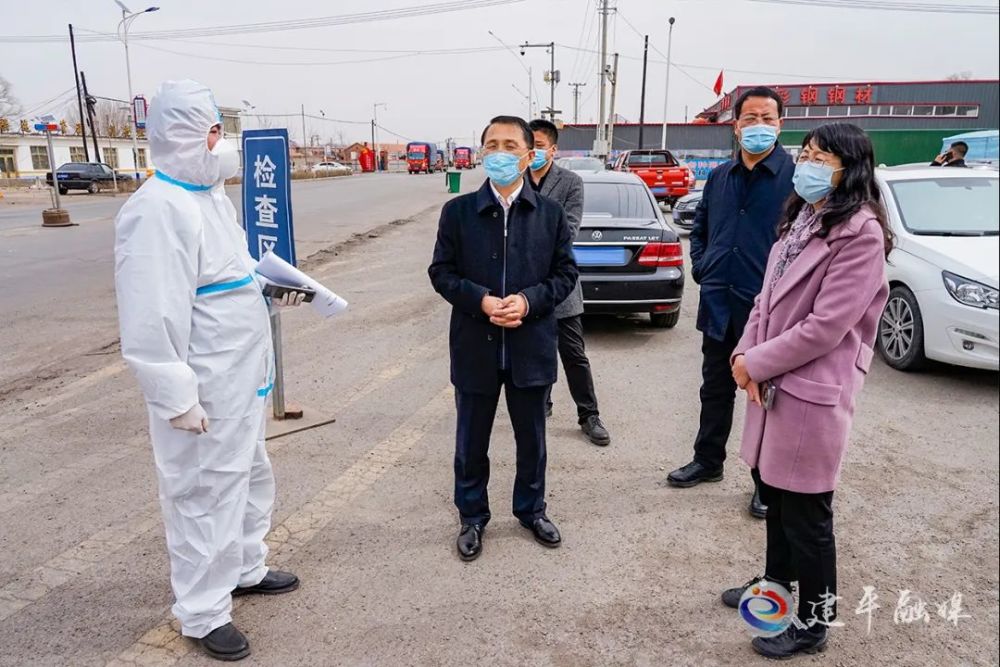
x=665 y=320
x=92 y=188
x=63 y=191
x=901 y=331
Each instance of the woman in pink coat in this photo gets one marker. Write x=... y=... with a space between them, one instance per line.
x=802 y=361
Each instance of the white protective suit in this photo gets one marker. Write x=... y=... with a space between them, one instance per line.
x=195 y=329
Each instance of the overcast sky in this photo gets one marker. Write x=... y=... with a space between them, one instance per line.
x=432 y=97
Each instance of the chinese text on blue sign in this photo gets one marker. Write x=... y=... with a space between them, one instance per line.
x=267 y=194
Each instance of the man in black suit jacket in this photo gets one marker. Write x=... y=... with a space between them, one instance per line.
x=504 y=261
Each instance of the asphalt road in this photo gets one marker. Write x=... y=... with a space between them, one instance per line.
x=364 y=511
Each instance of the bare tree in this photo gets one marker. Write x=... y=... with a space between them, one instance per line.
x=9 y=105
x=110 y=117
x=959 y=76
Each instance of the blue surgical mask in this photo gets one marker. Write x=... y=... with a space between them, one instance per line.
x=758 y=139
x=540 y=160
x=813 y=181
x=502 y=168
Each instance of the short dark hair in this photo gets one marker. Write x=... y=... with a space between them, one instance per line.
x=961 y=148
x=529 y=138
x=545 y=127
x=757 y=91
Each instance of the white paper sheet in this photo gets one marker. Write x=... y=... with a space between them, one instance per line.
x=278 y=270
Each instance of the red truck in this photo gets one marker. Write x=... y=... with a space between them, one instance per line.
x=463 y=157
x=668 y=178
x=421 y=157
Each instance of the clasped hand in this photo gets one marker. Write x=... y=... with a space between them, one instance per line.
x=743 y=380
x=508 y=312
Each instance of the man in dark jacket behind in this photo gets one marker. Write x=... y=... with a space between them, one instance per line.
x=735 y=225
x=504 y=261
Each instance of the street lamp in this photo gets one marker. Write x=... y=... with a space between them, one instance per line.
x=525 y=67
x=666 y=86
x=128 y=16
x=378 y=156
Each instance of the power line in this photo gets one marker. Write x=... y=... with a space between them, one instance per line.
x=278 y=26
x=243 y=61
x=915 y=7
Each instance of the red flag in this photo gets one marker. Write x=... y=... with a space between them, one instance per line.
x=718 y=84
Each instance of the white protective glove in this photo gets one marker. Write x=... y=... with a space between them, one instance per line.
x=194 y=420
x=290 y=300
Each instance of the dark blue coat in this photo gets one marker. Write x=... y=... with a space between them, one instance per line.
x=468 y=264
x=735 y=225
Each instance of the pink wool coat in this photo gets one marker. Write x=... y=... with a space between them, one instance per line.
x=812 y=335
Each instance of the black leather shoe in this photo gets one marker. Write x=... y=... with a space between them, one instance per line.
x=792 y=641
x=692 y=474
x=757 y=508
x=595 y=431
x=470 y=541
x=225 y=643
x=275 y=582
x=731 y=596
x=545 y=532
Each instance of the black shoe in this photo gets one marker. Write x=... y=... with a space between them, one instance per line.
x=548 y=410
x=470 y=541
x=225 y=643
x=792 y=641
x=275 y=582
x=692 y=474
x=757 y=508
x=545 y=532
x=595 y=431
x=731 y=596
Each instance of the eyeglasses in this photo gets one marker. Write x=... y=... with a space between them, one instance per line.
x=804 y=158
x=754 y=119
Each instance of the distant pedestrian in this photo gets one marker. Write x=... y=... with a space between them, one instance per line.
x=735 y=226
x=566 y=187
x=953 y=157
x=803 y=360
x=504 y=261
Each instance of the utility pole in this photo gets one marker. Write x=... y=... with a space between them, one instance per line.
x=576 y=101
x=642 y=100
x=79 y=95
x=611 y=114
x=552 y=76
x=666 y=86
x=378 y=155
x=600 y=144
x=305 y=139
x=91 y=101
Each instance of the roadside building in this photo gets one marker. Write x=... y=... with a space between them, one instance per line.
x=905 y=119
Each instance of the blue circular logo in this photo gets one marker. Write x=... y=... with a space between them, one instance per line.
x=766 y=608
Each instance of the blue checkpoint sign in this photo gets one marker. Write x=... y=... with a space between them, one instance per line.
x=267 y=194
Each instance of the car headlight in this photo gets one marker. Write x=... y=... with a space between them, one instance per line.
x=970 y=292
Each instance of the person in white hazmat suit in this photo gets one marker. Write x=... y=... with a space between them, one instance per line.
x=195 y=330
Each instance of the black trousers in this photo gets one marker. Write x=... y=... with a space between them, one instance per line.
x=476 y=413
x=801 y=547
x=573 y=353
x=718 y=396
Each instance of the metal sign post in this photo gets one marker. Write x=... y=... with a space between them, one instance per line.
x=53 y=217
x=267 y=218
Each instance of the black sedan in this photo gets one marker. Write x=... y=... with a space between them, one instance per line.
x=89 y=176
x=630 y=260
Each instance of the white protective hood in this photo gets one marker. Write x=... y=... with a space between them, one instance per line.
x=179 y=119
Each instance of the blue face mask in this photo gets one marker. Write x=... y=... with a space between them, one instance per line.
x=757 y=139
x=502 y=168
x=540 y=160
x=813 y=181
